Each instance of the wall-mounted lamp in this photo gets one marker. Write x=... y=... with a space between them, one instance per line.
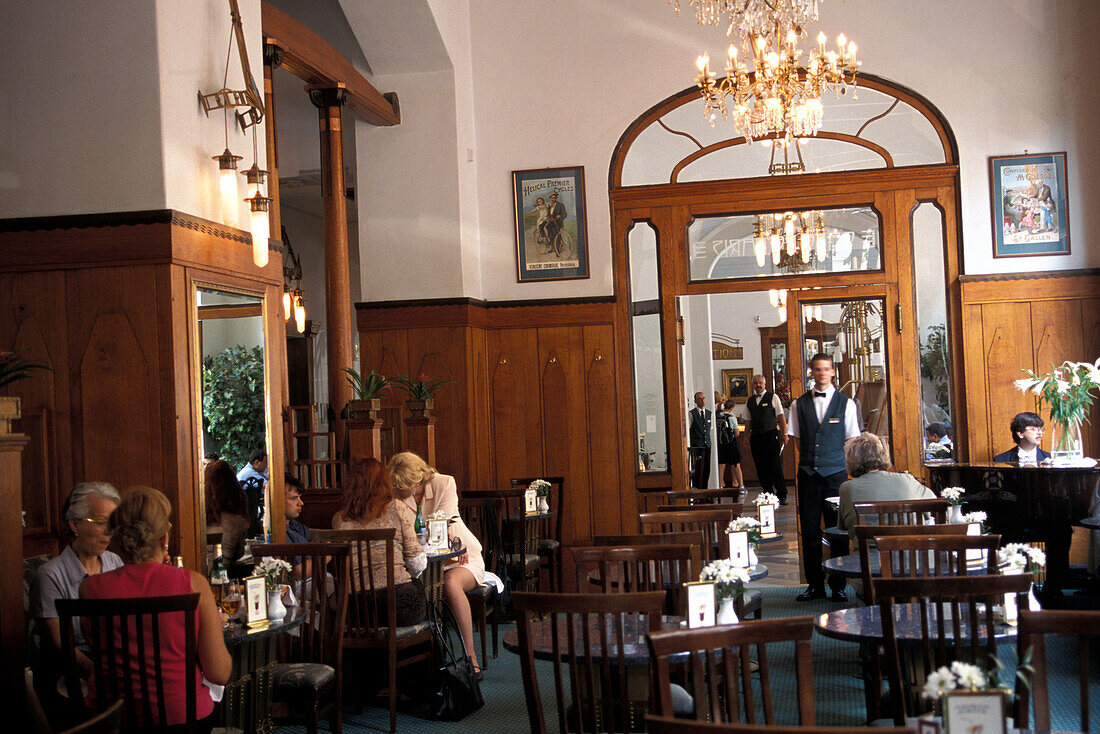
x=227 y=179
x=299 y=311
x=293 y=303
x=261 y=228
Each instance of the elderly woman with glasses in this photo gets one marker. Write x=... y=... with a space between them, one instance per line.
x=86 y=514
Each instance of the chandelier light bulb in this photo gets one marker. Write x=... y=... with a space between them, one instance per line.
x=760 y=249
x=773 y=297
x=777 y=248
x=817 y=313
x=783 y=297
x=782 y=314
x=821 y=248
x=804 y=245
x=702 y=62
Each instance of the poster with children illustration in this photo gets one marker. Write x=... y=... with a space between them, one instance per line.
x=1030 y=205
x=550 y=220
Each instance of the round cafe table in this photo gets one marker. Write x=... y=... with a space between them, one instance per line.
x=246 y=703
x=864 y=624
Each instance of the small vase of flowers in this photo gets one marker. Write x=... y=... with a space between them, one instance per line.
x=1020 y=558
x=729 y=583
x=954 y=497
x=1068 y=392
x=541 y=488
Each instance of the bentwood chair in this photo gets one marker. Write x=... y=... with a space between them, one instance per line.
x=372 y=604
x=127 y=654
x=1081 y=630
x=513 y=531
x=105 y=722
x=550 y=528
x=865 y=535
x=900 y=512
x=639 y=568
x=593 y=641
x=715 y=663
x=309 y=675
x=672 y=725
x=484 y=600
x=952 y=617
x=711 y=521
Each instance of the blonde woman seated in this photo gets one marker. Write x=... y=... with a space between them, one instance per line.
x=868 y=460
x=140 y=529
x=369 y=504
x=419 y=484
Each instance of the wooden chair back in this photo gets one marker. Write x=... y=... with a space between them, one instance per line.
x=688 y=538
x=688 y=497
x=593 y=642
x=662 y=568
x=865 y=535
x=937 y=555
x=672 y=725
x=900 y=512
x=716 y=664
x=735 y=509
x=1033 y=630
x=320 y=639
x=942 y=604
x=105 y=722
x=551 y=527
x=127 y=655
x=711 y=522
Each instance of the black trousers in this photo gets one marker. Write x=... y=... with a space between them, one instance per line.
x=766 y=456
x=812 y=491
x=700 y=466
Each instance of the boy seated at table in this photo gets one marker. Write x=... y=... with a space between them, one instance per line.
x=1027 y=432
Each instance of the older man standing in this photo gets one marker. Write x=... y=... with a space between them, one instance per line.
x=767 y=438
x=699 y=419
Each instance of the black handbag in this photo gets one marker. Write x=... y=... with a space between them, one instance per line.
x=458 y=694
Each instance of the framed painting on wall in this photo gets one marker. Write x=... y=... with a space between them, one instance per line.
x=1030 y=205
x=550 y=218
x=735 y=384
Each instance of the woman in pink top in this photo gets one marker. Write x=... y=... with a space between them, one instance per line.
x=140 y=529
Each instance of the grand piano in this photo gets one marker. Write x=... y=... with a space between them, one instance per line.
x=1027 y=504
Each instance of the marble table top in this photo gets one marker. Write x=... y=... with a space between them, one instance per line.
x=864 y=624
x=635 y=628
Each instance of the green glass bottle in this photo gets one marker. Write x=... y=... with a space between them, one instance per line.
x=419 y=526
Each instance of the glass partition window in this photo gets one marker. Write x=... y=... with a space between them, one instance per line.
x=935 y=357
x=775 y=244
x=649 y=384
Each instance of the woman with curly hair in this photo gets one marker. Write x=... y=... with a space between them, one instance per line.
x=226 y=508
x=368 y=504
x=139 y=527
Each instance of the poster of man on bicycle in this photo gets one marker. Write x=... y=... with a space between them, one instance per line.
x=551 y=228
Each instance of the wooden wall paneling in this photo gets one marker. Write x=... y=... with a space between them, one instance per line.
x=565 y=448
x=478 y=420
x=974 y=400
x=393 y=360
x=613 y=502
x=440 y=353
x=516 y=433
x=1090 y=310
x=1007 y=345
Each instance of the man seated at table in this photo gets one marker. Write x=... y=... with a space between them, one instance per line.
x=252 y=477
x=1027 y=432
x=296 y=530
x=937 y=437
x=867 y=460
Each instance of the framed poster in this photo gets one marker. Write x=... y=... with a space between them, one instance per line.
x=974 y=712
x=735 y=384
x=702 y=601
x=255 y=595
x=550 y=218
x=1030 y=205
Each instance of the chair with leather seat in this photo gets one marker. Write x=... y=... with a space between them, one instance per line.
x=309 y=674
x=550 y=530
x=717 y=673
x=372 y=605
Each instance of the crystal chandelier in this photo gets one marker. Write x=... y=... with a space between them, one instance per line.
x=766 y=90
x=797 y=240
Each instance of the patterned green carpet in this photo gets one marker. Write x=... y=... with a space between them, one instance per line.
x=838 y=687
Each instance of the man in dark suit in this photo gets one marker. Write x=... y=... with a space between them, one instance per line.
x=822 y=420
x=767 y=437
x=1027 y=432
x=557 y=214
x=699 y=441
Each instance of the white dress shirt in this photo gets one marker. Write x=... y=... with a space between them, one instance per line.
x=851 y=414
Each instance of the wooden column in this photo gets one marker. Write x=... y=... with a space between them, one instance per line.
x=11 y=571
x=329 y=100
x=273 y=59
x=364 y=439
x=420 y=437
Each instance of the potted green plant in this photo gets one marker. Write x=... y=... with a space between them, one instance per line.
x=12 y=369
x=420 y=389
x=368 y=393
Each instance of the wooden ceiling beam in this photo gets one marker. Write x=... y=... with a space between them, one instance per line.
x=313 y=60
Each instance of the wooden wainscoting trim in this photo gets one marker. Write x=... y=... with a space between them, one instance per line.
x=376 y=315
x=1049 y=284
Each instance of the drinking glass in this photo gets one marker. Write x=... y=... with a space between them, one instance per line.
x=231 y=601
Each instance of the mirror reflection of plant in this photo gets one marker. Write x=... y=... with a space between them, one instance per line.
x=233 y=401
x=421 y=387
x=13 y=368
x=369 y=387
x=933 y=363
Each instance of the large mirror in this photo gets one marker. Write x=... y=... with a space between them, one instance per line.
x=232 y=395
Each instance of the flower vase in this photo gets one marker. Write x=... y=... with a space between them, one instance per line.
x=544 y=506
x=1066 y=447
x=276 y=610
x=954 y=514
x=753 y=558
x=726 y=612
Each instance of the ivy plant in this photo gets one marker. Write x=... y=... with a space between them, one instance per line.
x=233 y=401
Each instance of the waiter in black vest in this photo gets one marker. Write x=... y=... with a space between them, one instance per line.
x=767 y=437
x=822 y=420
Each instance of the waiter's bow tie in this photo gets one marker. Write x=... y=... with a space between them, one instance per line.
x=819 y=394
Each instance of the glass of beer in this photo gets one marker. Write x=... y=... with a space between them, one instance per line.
x=231 y=600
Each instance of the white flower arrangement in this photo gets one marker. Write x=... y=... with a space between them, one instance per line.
x=748 y=525
x=730 y=580
x=959 y=676
x=275 y=571
x=1021 y=557
x=439 y=515
x=977 y=516
x=953 y=495
x=766 y=498
x=541 y=487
